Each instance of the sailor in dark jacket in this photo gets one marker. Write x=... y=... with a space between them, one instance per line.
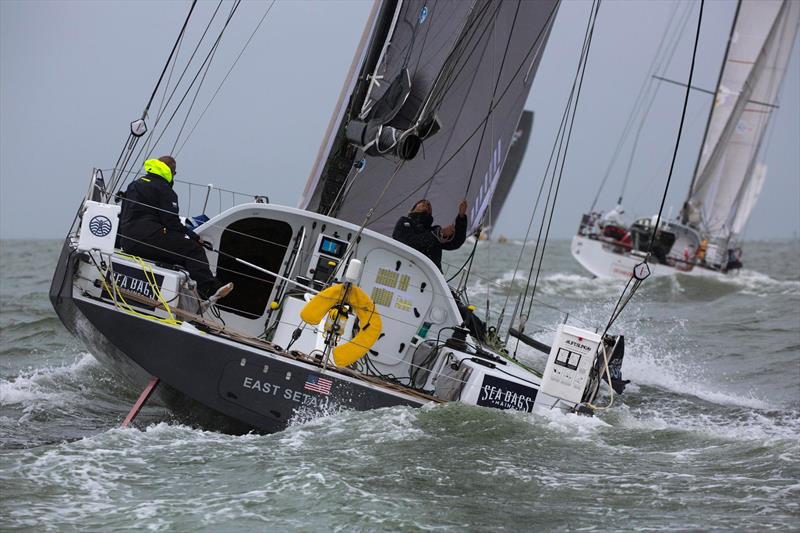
x=149 y=226
x=417 y=231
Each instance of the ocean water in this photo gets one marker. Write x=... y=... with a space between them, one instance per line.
x=705 y=437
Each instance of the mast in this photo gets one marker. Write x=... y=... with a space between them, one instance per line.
x=369 y=48
x=685 y=214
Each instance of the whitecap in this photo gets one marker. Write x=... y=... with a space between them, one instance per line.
x=40 y=385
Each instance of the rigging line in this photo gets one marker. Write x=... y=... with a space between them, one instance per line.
x=147 y=148
x=493 y=37
x=459 y=51
x=189 y=62
x=625 y=298
x=535 y=46
x=472 y=253
x=461 y=107
x=474 y=131
x=652 y=94
x=194 y=99
x=206 y=61
x=130 y=142
x=350 y=252
x=433 y=12
x=149 y=137
x=169 y=59
x=228 y=229
x=413 y=40
x=191 y=104
x=494 y=91
x=344 y=190
x=196 y=94
x=246 y=44
x=680 y=130
x=766 y=127
x=557 y=150
x=449 y=64
x=195 y=78
x=169 y=80
x=564 y=158
x=464 y=47
x=636 y=108
x=194 y=184
x=711 y=107
x=237 y=272
x=535 y=208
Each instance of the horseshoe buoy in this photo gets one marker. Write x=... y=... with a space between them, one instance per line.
x=349 y=352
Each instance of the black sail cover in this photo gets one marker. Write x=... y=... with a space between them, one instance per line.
x=432 y=115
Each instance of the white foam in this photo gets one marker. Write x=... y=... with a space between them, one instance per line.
x=758 y=284
x=576 y=426
x=748 y=426
x=40 y=385
x=646 y=365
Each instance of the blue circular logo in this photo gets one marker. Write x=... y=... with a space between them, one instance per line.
x=423 y=14
x=100 y=226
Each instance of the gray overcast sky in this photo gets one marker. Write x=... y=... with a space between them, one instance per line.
x=74 y=74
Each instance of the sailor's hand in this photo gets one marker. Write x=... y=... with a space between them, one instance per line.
x=462 y=208
x=449 y=231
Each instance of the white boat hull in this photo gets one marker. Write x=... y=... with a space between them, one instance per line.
x=602 y=261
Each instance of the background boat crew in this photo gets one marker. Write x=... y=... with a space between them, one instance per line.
x=613 y=217
x=149 y=227
x=417 y=231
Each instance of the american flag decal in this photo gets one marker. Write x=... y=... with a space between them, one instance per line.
x=318 y=384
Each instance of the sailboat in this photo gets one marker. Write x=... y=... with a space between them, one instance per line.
x=329 y=312
x=705 y=239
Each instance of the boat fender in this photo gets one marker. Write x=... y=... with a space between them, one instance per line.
x=349 y=352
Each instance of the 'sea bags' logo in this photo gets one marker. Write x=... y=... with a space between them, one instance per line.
x=100 y=226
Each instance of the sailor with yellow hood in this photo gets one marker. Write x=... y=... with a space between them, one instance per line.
x=149 y=227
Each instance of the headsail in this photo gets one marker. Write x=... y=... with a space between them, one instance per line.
x=443 y=102
x=761 y=42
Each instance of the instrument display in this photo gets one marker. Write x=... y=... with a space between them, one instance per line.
x=332 y=247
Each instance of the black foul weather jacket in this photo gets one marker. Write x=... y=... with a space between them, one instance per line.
x=416 y=230
x=149 y=207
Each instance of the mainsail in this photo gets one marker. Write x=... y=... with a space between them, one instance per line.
x=438 y=98
x=516 y=153
x=726 y=184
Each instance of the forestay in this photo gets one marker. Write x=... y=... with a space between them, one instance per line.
x=726 y=185
x=439 y=97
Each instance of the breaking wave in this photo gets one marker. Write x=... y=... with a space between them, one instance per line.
x=50 y=385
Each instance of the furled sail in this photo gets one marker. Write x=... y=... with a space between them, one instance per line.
x=434 y=114
x=723 y=191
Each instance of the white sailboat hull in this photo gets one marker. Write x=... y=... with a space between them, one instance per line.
x=602 y=261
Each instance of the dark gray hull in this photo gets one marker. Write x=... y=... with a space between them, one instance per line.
x=208 y=380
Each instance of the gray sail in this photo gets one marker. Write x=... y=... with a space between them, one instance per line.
x=746 y=97
x=516 y=153
x=443 y=102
